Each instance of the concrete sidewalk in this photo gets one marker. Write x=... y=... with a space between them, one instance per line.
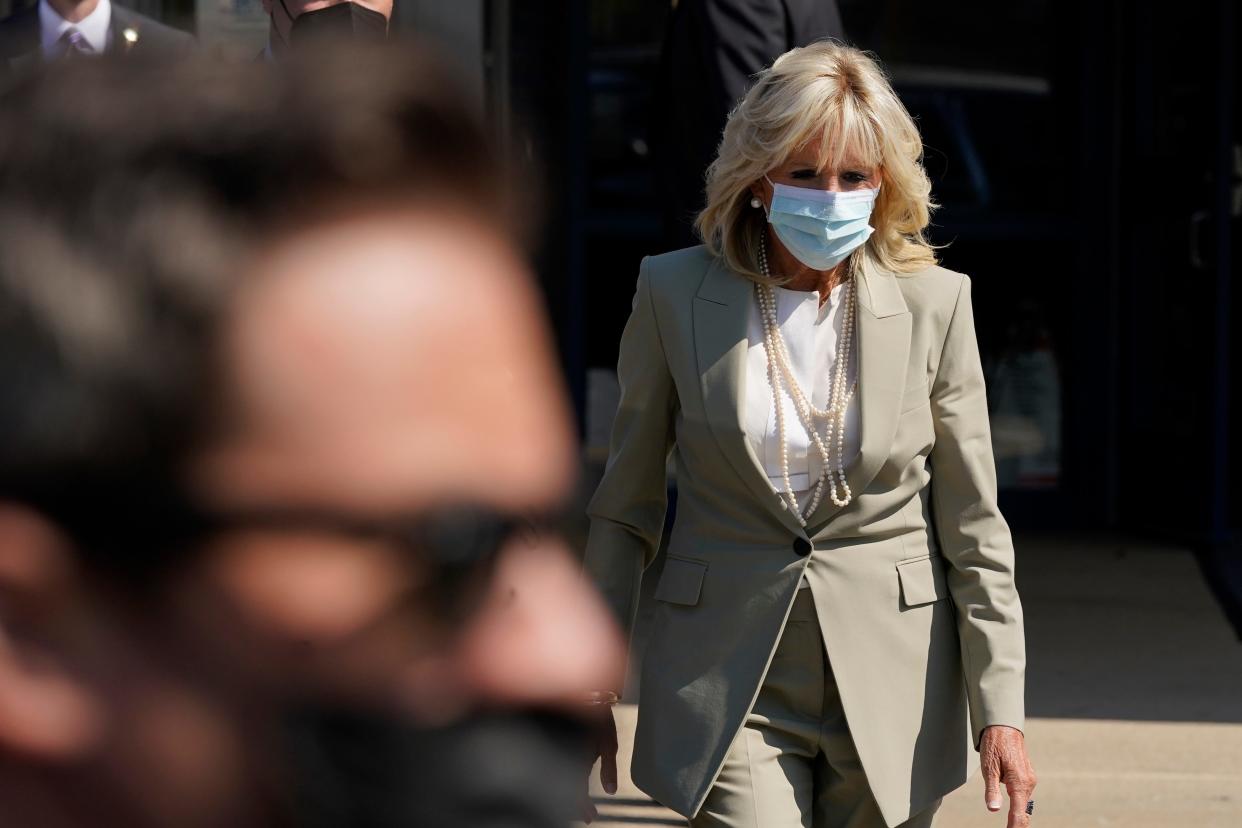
x=1134 y=697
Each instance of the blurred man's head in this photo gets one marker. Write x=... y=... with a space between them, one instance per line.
x=296 y=22
x=276 y=391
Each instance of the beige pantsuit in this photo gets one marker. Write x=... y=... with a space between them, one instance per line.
x=794 y=762
x=912 y=582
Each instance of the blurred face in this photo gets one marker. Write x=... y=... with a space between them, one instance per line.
x=381 y=369
x=385 y=368
x=283 y=12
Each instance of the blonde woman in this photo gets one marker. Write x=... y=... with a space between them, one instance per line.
x=837 y=639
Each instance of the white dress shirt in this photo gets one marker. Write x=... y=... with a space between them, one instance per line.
x=811 y=335
x=94 y=27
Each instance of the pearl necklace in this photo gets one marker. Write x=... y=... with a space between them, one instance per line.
x=780 y=369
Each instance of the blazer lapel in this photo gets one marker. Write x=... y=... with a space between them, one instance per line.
x=883 y=329
x=19 y=42
x=883 y=326
x=721 y=311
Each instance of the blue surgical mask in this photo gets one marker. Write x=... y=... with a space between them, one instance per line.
x=821 y=227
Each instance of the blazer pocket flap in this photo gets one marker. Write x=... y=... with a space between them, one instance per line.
x=681 y=581
x=915 y=395
x=922 y=580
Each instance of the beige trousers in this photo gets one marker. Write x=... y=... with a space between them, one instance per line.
x=794 y=765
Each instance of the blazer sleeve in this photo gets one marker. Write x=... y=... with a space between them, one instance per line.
x=627 y=509
x=973 y=535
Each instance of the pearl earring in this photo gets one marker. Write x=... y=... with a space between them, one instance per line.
x=755 y=202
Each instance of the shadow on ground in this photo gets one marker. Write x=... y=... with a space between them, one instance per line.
x=1123 y=630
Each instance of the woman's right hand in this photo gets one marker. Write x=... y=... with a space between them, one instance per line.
x=604 y=748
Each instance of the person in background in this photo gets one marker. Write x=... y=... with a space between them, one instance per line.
x=58 y=29
x=296 y=22
x=282 y=446
x=837 y=637
x=712 y=50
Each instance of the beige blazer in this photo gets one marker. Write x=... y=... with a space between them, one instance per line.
x=913 y=580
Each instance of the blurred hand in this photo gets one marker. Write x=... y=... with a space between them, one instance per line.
x=1002 y=756
x=604 y=749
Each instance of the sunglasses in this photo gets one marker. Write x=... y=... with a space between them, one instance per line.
x=137 y=534
x=455 y=545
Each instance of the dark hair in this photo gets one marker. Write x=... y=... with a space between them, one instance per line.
x=132 y=193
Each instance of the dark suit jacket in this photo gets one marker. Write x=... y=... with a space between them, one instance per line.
x=20 y=48
x=711 y=50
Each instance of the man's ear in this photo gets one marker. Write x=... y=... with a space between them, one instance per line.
x=46 y=711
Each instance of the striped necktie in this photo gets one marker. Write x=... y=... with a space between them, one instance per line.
x=75 y=44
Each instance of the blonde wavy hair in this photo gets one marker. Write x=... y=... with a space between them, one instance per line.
x=841 y=94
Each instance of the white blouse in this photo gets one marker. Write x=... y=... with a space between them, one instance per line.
x=811 y=333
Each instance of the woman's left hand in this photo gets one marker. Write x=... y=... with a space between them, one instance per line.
x=1002 y=755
